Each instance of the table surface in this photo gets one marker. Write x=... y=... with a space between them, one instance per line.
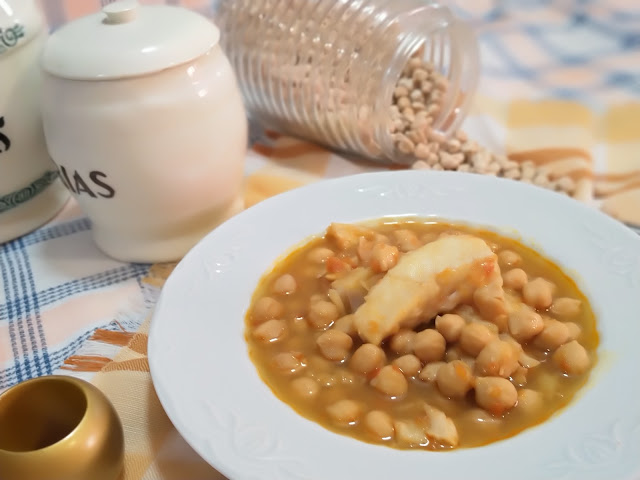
x=57 y=288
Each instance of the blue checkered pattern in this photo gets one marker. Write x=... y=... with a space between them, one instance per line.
x=585 y=50
x=67 y=228
x=23 y=369
x=536 y=41
x=553 y=35
x=22 y=301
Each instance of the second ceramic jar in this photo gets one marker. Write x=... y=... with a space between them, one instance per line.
x=145 y=121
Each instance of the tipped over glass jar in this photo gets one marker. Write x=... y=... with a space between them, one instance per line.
x=383 y=79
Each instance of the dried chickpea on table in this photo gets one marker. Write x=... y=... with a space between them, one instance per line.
x=418 y=334
x=417 y=101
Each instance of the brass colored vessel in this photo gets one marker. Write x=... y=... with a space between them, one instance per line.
x=59 y=428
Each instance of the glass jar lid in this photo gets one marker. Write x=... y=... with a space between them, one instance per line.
x=128 y=40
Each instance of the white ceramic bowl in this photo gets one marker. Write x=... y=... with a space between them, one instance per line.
x=212 y=392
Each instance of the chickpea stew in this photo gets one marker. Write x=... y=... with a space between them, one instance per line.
x=421 y=334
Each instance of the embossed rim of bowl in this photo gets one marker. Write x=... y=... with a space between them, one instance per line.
x=213 y=395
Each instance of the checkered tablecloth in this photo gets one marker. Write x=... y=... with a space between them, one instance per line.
x=560 y=81
x=56 y=287
x=581 y=50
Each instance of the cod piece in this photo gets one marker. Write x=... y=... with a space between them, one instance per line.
x=432 y=279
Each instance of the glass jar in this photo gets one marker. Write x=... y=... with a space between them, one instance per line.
x=327 y=70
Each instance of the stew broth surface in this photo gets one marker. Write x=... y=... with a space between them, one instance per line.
x=289 y=360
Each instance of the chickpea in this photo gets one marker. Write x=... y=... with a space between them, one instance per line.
x=326 y=379
x=450 y=326
x=538 y=293
x=318 y=363
x=406 y=240
x=565 y=307
x=481 y=417
x=454 y=379
x=347 y=378
x=270 y=331
x=498 y=358
x=365 y=249
x=470 y=361
x=468 y=313
x=453 y=353
x=380 y=238
x=345 y=412
x=316 y=297
x=529 y=401
x=527 y=361
x=574 y=330
x=525 y=323
x=299 y=325
x=305 y=387
x=289 y=363
x=509 y=258
x=505 y=337
x=313 y=271
x=489 y=301
x=553 y=335
x=265 y=309
x=429 y=345
x=515 y=279
x=493 y=328
x=322 y=314
x=320 y=254
x=367 y=359
x=429 y=372
x=336 y=299
x=493 y=246
x=384 y=257
x=345 y=324
x=285 y=284
x=408 y=364
x=380 y=424
x=334 y=345
x=390 y=381
x=495 y=394
x=519 y=376
x=402 y=342
x=474 y=337
x=548 y=383
x=572 y=358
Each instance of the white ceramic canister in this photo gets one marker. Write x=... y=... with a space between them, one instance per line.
x=143 y=116
x=30 y=189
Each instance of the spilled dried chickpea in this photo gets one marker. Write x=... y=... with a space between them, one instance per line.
x=449 y=337
x=417 y=102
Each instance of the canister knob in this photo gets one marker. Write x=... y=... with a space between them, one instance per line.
x=123 y=11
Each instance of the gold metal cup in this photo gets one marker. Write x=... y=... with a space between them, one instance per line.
x=59 y=428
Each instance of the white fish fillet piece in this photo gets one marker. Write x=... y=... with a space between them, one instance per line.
x=410 y=433
x=440 y=427
x=429 y=280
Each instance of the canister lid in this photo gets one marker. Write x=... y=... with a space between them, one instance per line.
x=127 y=40
x=20 y=21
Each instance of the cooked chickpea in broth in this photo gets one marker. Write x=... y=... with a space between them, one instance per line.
x=420 y=334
